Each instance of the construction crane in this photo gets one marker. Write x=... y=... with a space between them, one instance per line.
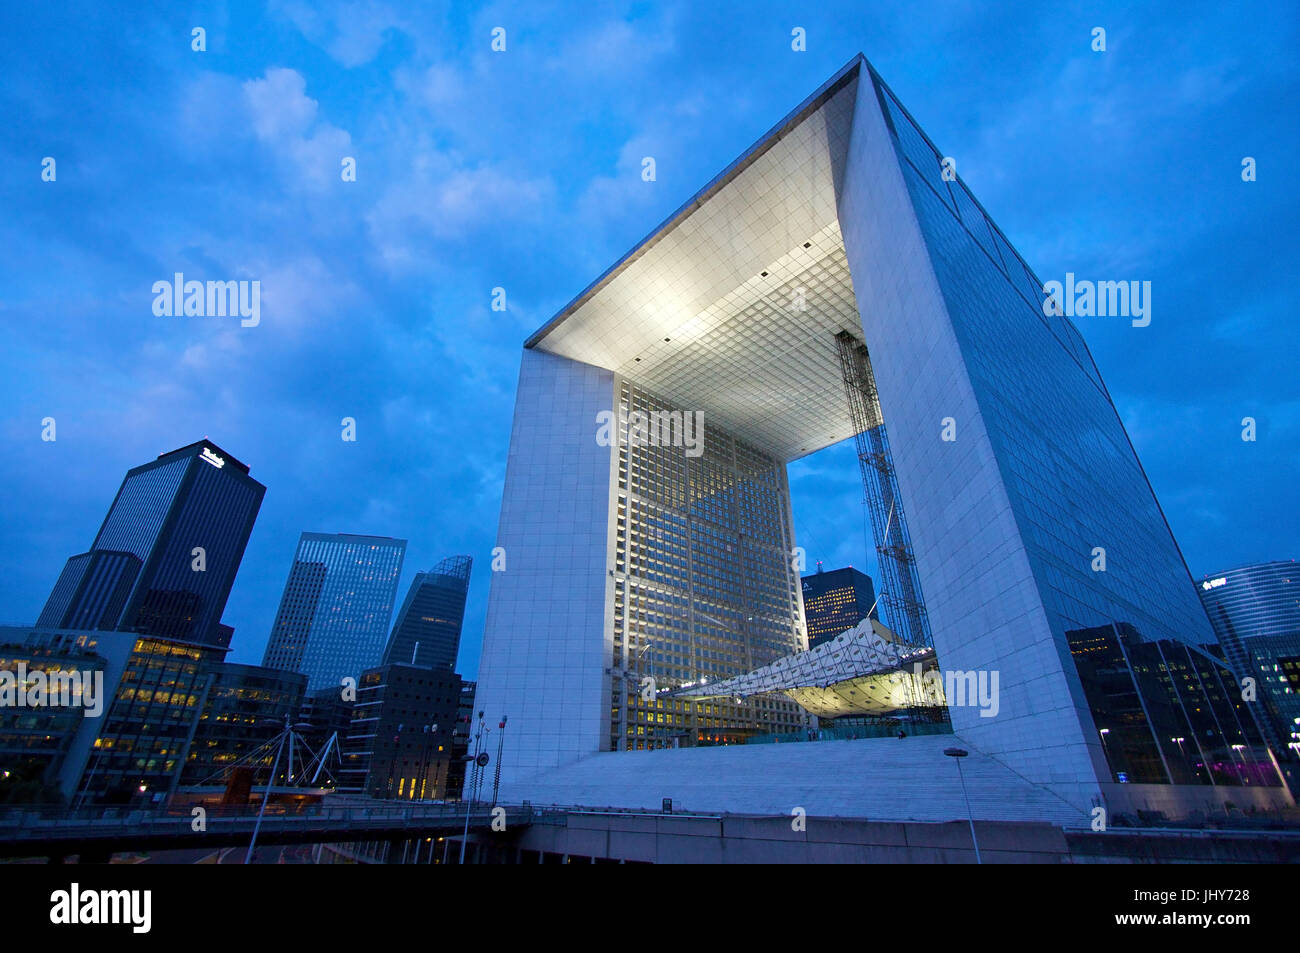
x=900 y=584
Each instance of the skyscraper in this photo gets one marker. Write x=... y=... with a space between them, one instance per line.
x=158 y=575
x=836 y=601
x=337 y=602
x=1258 y=601
x=245 y=707
x=399 y=744
x=165 y=558
x=427 y=631
x=1255 y=611
x=838 y=278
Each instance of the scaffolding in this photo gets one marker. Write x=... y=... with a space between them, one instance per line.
x=900 y=585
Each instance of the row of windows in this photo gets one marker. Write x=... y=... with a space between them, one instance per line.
x=703 y=583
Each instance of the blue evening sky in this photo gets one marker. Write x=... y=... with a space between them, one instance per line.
x=521 y=170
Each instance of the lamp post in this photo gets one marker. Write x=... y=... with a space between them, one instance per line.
x=1181 y=752
x=957 y=754
x=1245 y=773
x=469 y=804
x=1103 y=732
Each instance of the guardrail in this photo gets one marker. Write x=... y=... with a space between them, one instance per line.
x=37 y=825
x=1193 y=833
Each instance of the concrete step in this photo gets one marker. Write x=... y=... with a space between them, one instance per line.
x=878 y=779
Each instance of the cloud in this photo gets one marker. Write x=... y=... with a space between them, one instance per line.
x=352 y=33
x=616 y=49
x=440 y=201
x=279 y=104
x=303 y=291
x=436 y=87
x=284 y=119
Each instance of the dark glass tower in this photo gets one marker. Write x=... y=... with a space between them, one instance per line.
x=164 y=561
x=836 y=601
x=336 y=606
x=427 y=632
x=1255 y=611
x=92 y=591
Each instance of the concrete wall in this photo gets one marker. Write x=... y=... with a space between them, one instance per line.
x=665 y=839
x=979 y=587
x=681 y=839
x=546 y=642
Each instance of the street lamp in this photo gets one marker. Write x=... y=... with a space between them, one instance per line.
x=1245 y=771
x=1105 y=750
x=957 y=754
x=480 y=760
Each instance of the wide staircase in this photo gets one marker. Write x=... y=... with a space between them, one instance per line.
x=885 y=779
